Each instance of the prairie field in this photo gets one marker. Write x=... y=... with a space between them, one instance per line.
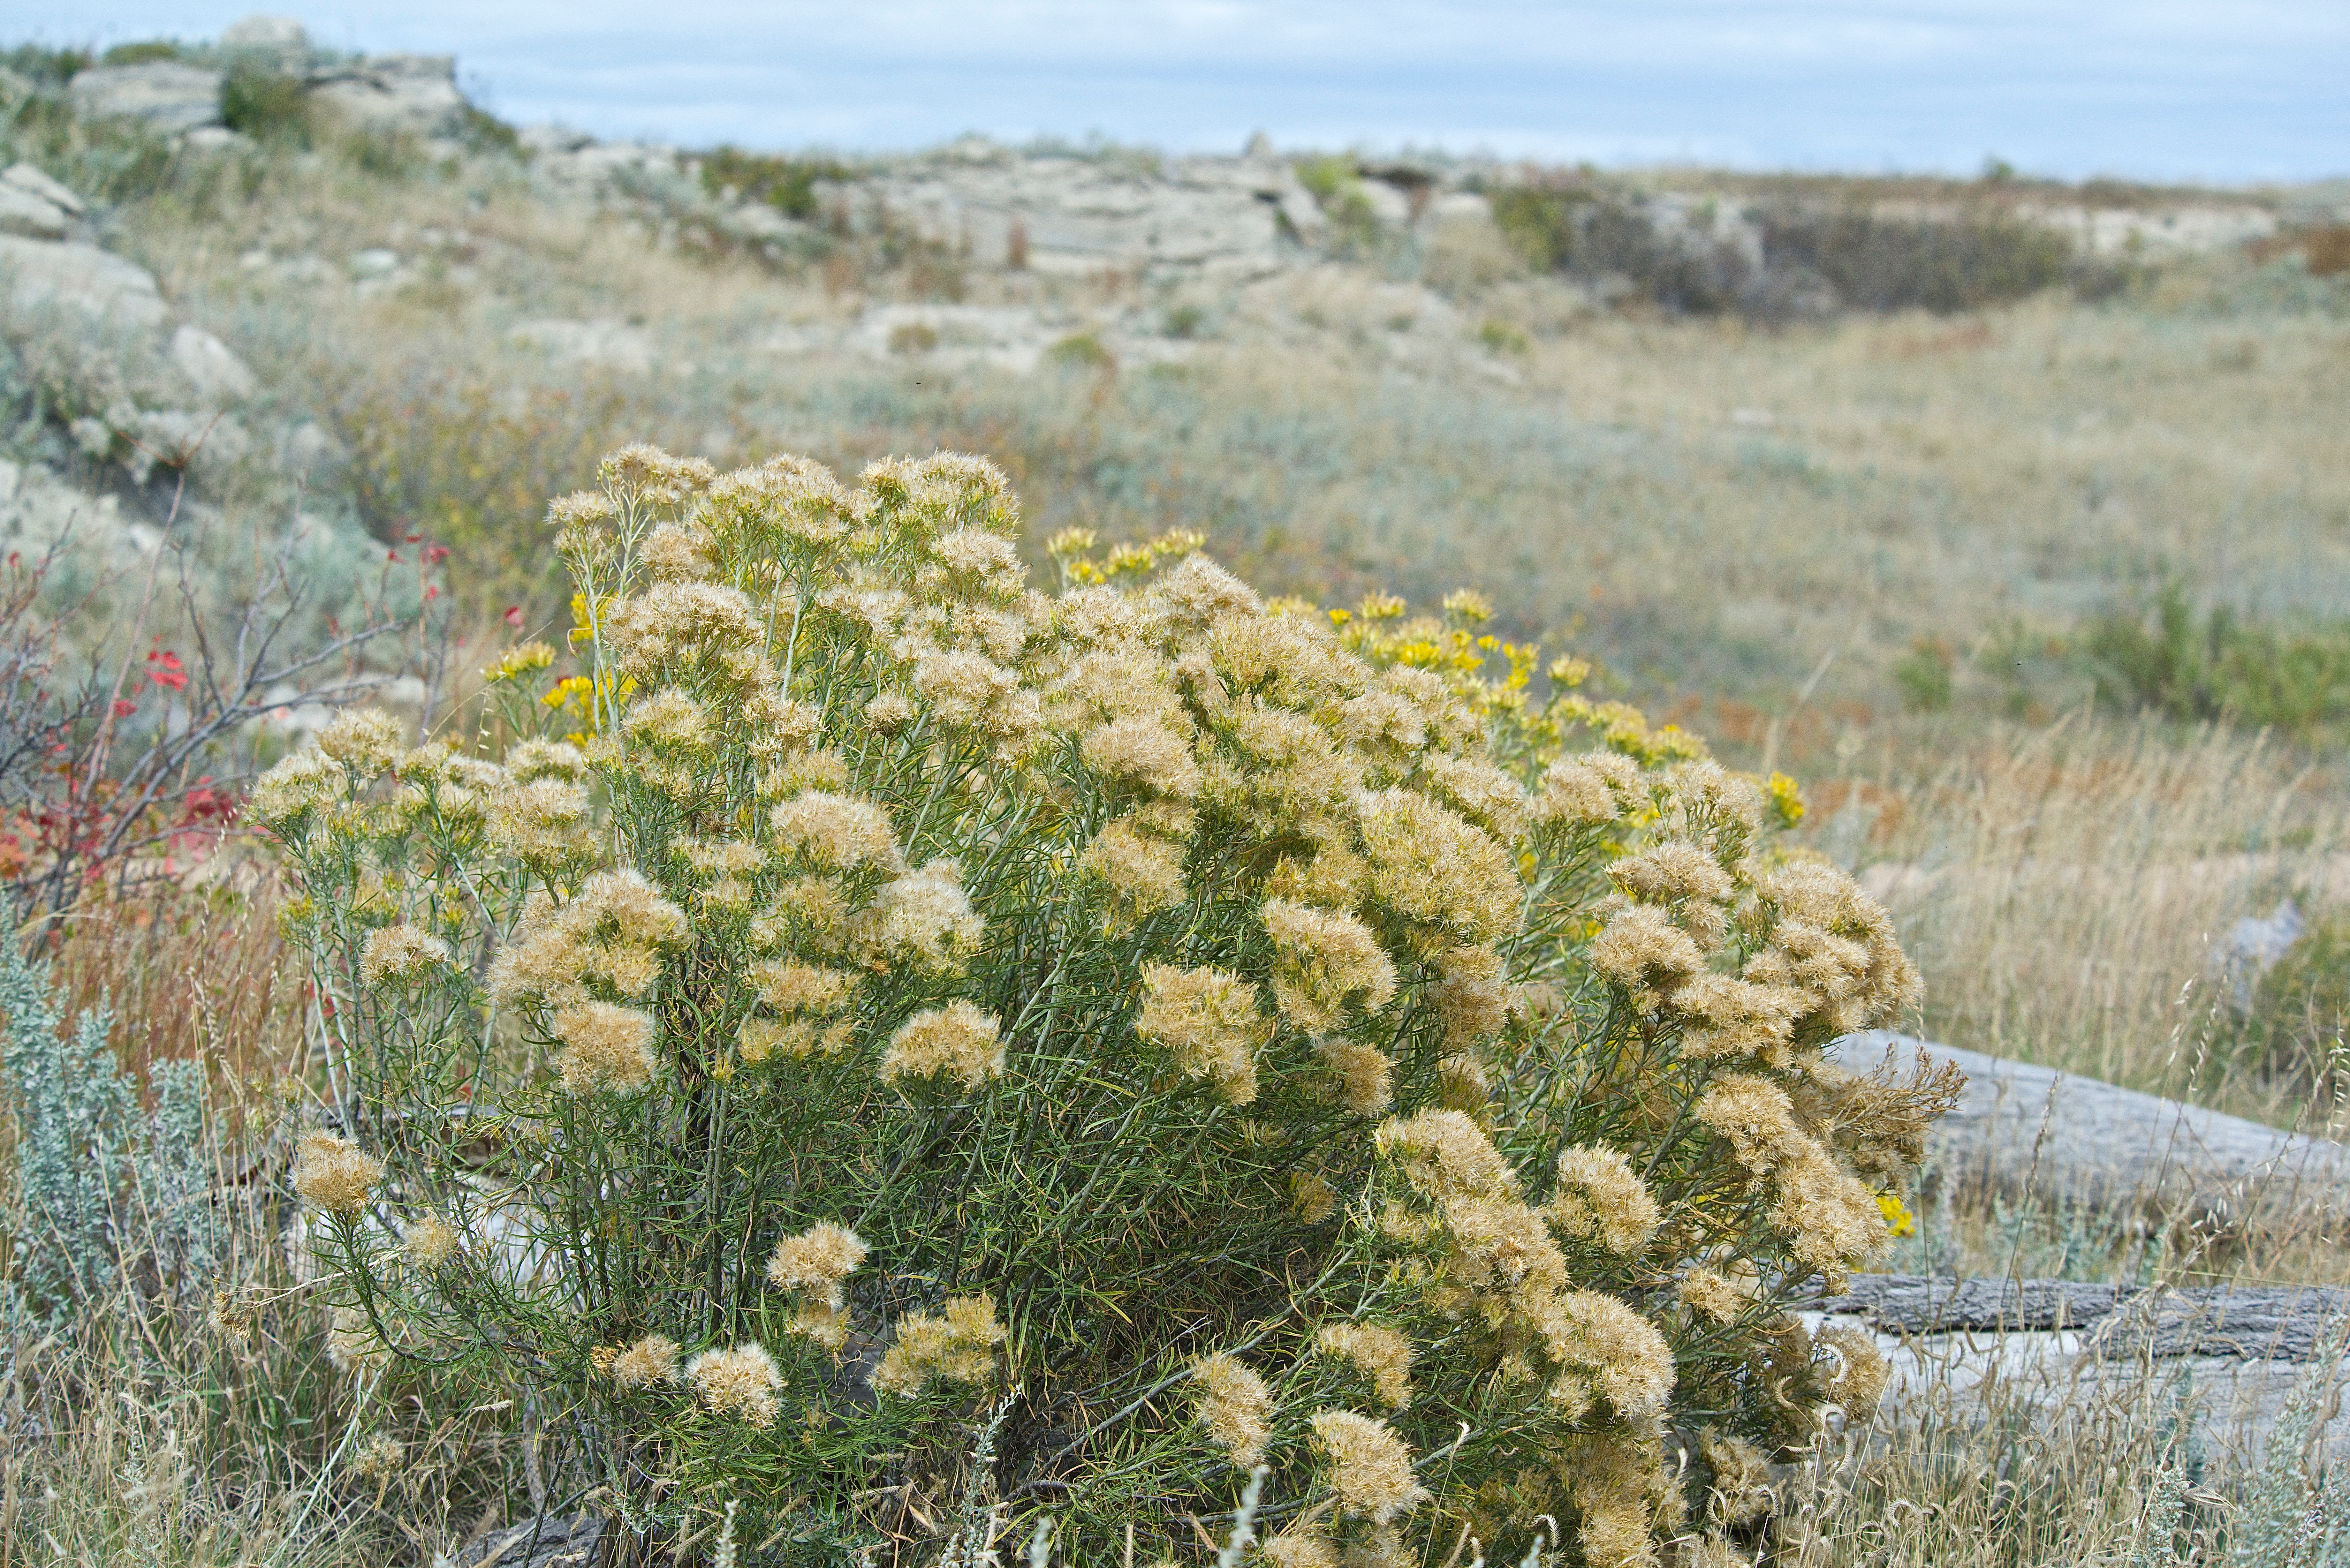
x=2037 y=592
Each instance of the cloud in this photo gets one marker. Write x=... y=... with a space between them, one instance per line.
x=2165 y=89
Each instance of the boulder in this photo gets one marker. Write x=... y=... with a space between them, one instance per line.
x=35 y=217
x=22 y=176
x=165 y=94
x=312 y=457
x=1458 y=207
x=416 y=94
x=264 y=33
x=211 y=365
x=49 y=274
x=1391 y=208
x=33 y=204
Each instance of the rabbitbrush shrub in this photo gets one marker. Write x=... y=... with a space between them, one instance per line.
x=923 y=1055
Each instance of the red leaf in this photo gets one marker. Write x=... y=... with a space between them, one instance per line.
x=124 y=707
x=435 y=554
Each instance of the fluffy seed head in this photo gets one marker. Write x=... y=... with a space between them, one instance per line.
x=958 y=1040
x=650 y=1360
x=1323 y=961
x=1643 y=951
x=431 y=1241
x=401 y=955
x=1143 y=751
x=1235 y=1406
x=365 y=739
x=332 y=1174
x=1446 y=1153
x=957 y=1344
x=1757 y=1117
x=1602 y=1199
x=1363 y=1074
x=1605 y=1349
x=1585 y=791
x=1380 y=1353
x=611 y=1047
x=1208 y=1021
x=922 y=920
x=1143 y=872
x=1370 y=1467
x=296 y=787
x=817 y=1260
x=1860 y=1370
x=803 y=987
x=1433 y=868
x=740 y=1382
x=837 y=833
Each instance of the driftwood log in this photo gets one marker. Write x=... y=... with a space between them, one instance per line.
x=2223 y=1360
x=2024 y=1128
x=552 y=1541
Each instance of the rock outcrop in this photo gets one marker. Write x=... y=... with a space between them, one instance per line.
x=167 y=94
x=412 y=94
x=1068 y=214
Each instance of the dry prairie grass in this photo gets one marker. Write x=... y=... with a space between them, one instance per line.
x=1703 y=505
x=1707 y=508
x=2068 y=892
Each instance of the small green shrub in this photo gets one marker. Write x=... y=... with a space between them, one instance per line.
x=2219 y=665
x=1184 y=320
x=1082 y=351
x=484 y=132
x=1975 y=258
x=786 y=184
x=2293 y=1026
x=265 y=104
x=1323 y=178
x=84 y=1152
x=924 y=1056
x=1923 y=674
x=1502 y=338
x=140 y=54
x=45 y=66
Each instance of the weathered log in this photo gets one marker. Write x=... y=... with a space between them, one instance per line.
x=2027 y=1129
x=551 y=1541
x=2249 y=1323
x=2225 y=1360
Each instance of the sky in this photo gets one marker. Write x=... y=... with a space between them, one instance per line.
x=2233 y=92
